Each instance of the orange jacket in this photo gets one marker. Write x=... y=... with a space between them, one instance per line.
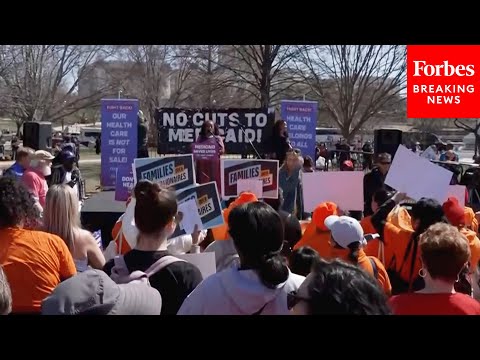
x=474 y=244
x=365 y=264
x=316 y=239
x=316 y=235
x=470 y=219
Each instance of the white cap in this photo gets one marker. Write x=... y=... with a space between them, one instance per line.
x=345 y=230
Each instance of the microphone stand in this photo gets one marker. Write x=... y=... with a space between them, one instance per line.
x=242 y=127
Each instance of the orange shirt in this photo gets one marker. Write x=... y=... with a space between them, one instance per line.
x=35 y=262
x=373 y=246
x=474 y=244
x=367 y=225
x=365 y=264
x=470 y=219
x=316 y=239
x=396 y=241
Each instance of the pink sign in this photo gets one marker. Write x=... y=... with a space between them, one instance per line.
x=206 y=150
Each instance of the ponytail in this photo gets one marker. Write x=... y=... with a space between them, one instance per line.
x=272 y=269
x=354 y=250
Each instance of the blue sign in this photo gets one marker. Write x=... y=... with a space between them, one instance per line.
x=301 y=118
x=124 y=183
x=119 y=137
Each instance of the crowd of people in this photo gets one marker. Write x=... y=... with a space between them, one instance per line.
x=398 y=257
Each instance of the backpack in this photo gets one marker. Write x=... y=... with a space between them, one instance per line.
x=400 y=286
x=374 y=267
x=121 y=275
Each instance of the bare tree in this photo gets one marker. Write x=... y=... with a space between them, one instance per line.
x=260 y=70
x=150 y=75
x=354 y=82
x=430 y=125
x=473 y=128
x=40 y=82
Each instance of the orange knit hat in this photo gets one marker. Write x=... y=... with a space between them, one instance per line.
x=323 y=211
x=243 y=198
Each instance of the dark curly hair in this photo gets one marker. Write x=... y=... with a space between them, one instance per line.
x=339 y=288
x=17 y=205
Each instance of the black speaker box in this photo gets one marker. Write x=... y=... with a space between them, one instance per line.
x=387 y=141
x=37 y=135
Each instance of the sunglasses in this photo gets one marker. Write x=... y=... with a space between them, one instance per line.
x=293 y=299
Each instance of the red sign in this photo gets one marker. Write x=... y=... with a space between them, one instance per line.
x=443 y=81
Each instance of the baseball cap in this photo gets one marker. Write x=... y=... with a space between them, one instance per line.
x=67 y=155
x=92 y=292
x=43 y=155
x=345 y=230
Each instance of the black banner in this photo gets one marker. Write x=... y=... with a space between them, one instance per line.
x=179 y=128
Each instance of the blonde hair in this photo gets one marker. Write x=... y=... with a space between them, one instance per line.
x=61 y=216
x=5 y=294
x=293 y=153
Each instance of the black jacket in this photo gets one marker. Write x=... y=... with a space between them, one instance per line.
x=372 y=182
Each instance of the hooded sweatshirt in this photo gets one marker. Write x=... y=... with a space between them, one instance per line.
x=239 y=292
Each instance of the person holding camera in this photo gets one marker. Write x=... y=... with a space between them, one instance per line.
x=65 y=172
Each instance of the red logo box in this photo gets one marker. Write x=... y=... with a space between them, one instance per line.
x=443 y=81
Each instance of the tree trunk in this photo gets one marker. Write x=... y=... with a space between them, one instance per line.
x=477 y=144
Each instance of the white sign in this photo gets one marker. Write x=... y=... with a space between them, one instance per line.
x=254 y=186
x=456 y=191
x=205 y=262
x=417 y=176
x=190 y=216
x=344 y=188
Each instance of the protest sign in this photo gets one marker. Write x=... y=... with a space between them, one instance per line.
x=124 y=183
x=205 y=262
x=206 y=150
x=175 y=172
x=190 y=217
x=254 y=186
x=417 y=176
x=179 y=128
x=119 y=137
x=208 y=203
x=456 y=191
x=233 y=170
x=344 y=188
x=301 y=118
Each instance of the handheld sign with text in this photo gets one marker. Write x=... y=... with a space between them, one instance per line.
x=233 y=170
x=119 y=137
x=254 y=186
x=175 y=172
x=208 y=205
x=206 y=150
x=124 y=183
